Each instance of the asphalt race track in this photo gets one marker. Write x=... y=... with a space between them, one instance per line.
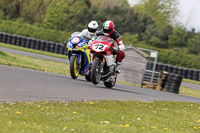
x=193 y=86
x=19 y=84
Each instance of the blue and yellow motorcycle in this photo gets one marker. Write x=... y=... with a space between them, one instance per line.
x=79 y=57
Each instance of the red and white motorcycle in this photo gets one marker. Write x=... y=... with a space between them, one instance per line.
x=103 y=57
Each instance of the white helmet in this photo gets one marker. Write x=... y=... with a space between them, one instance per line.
x=92 y=27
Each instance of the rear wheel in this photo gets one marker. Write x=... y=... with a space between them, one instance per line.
x=111 y=83
x=95 y=74
x=74 y=67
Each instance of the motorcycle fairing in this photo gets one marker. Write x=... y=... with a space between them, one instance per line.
x=110 y=60
x=79 y=48
x=72 y=46
x=86 y=68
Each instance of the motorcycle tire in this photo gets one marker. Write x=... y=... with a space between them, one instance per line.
x=88 y=77
x=95 y=74
x=74 y=68
x=111 y=83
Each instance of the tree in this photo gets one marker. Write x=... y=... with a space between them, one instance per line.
x=10 y=8
x=110 y=3
x=178 y=38
x=33 y=11
x=125 y=19
x=162 y=11
x=190 y=34
x=151 y=31
x=156 y=36
x=194 y=44
x=165 y=32
x=61 y=14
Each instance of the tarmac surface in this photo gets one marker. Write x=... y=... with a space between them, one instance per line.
x=190 y=85
x=19 y=84
x=193 y=86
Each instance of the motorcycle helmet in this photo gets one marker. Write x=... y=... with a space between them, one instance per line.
x=92 y=27
x=108 y=28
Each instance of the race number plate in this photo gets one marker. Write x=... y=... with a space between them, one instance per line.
x=75 y=40
x=98 y=47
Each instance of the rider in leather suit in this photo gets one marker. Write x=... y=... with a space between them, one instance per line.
x=89 y=33
x=108 y=30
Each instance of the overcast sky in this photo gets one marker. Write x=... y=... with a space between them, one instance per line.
x=189 y=13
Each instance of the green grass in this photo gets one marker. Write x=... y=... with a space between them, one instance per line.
x=32 y=51
x=99 y=117
x=189 y=92
x=191 y=81
x=94 y=116
x=33 y=63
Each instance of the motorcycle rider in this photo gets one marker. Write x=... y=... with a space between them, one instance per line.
x=89 y=33
x=108 y=30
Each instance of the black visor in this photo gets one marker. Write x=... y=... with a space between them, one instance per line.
x=107 y=30
x=92 y=30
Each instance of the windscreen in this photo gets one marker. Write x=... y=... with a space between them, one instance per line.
x=104 y=39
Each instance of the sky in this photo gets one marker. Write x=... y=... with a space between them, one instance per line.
x=189 y=13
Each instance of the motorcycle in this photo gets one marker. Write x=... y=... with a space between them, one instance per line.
x=79 y=56
x=103 y=59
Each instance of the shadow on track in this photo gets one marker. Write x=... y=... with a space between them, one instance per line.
x=117 y=89
x=97 y=86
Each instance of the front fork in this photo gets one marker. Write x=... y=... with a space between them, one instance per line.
x=102 y=63
x=102 y=66
x=79 y=58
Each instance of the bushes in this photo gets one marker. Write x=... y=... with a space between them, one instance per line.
x=156 y=42
x=194 y=44
x=130 y=39
x=33 y=11
x=33 y=31
x=175 y=58
x=178 y=38
x=62 y=14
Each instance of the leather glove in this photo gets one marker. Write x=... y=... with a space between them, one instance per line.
x=65 y=43
x=114 y=49
x=89 y=43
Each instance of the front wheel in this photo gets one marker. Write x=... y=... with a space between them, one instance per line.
x=112 y=82
x=74 y=67
x=95 y=74
x=88 y=77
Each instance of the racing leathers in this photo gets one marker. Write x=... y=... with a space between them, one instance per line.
x=118 y=45
x=85 y=33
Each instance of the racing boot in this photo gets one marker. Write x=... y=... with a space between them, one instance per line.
x=117 y=68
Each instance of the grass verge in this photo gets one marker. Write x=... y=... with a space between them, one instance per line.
x=100 y=116
x=32 y=51
x=93 y=116
x=191 y=81
x=189 y=92
x=33 y=63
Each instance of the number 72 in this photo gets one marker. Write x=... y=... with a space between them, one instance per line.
x=99 y=46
